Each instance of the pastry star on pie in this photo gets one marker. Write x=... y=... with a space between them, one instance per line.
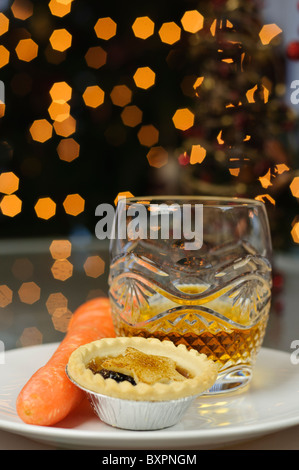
x=139 y=368
x=145 y=368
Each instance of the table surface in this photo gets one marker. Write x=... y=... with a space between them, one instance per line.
x=37 y=296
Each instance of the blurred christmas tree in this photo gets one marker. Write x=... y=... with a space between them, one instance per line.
x=237 y=144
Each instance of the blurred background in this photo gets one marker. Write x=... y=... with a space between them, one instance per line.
x=99 y=99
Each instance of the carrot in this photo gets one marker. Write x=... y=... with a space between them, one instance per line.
x=49 y=396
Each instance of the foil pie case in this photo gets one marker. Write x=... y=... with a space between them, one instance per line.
x=136 y=415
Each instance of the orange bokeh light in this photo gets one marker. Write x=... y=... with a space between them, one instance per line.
x=61 y=92
x=4 y=56
x=295 y=230
x=11 y=205
x=198 y=154
x=94 y=266
x=59 y=8
x=157 y=157
x=45 y=208
x=59 y=111
x=143 y=27
x=41 y=130
x=122 y=195
x=9 y=182
x=192 y=21
x=22 y=9
x=121 y=95
x=60 y=249
x=183 y=119
x=93 y=96
x=4 y=24
x=22 y=269
x=29 y=292
x=144 y=77
x=74 y=204
x=269 y=32
x=170 y=33
x=31 y=336
x=27 y=50
x=66 y=127
x=96 y=57
x=148 y=135
x=62 y=269
x=61 y=40
x=5 y=296
x=57 y=304
x=131 y=116
x=294 y=187
x=105 y=28
x=68 y=149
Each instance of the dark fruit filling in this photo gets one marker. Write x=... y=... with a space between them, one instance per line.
x=117 y=376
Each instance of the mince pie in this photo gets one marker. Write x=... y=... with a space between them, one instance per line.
x=139 y=368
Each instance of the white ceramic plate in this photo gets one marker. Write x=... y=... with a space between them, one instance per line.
x=270 y=404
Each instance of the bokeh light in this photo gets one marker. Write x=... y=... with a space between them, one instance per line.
x=96 y=57
x=29 y=292
x=66 y=127
x=41 y=130
x=68 y=149
x=60 y=40
x=93 y=96
x=60 y=8
x=157 y=157
x=6 y=295
x=27 y=50
x=143 y=27
x=62 y=269
x=74 y=204
x=61 y=92
x=183 y=119
x=170 y=32
x=122 y=195
x=4 y=24
x=148 y=135
x=9 y=182
x=57 y=304
x=59 y=111
x=60 y=249
x=105 y=28
x=198 y=154
x=269 y=32
x=22 y=9
x=31 y=336
x=295 y=230
x=121 y=95
x=131 y=116
x=192 y=21
x=4 y=56
x=294 y=187
x=11 y=205
x=144 y=77
x=22 y=269
x=45 y=208
x=94 y=266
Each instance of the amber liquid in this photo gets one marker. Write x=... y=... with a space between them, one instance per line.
x=227 y=345
x=226 y=348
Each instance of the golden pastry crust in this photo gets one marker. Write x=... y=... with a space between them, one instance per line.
x=201 y=370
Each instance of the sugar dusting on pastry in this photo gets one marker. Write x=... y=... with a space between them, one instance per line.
x=145 y=368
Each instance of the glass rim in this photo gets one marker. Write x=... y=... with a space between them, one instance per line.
x=218 y=201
